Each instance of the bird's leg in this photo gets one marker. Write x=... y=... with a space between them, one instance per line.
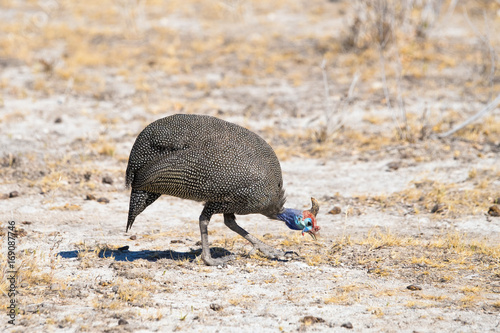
x=205 y=247
x=268 y=251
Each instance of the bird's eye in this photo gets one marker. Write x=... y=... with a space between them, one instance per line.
x=308 y=222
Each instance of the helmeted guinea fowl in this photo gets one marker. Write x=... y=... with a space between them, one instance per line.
x=203 y=158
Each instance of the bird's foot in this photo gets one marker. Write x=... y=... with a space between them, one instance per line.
x=209 y=261
x=272 y=253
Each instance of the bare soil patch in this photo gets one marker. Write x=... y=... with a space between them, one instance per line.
x=409 y=239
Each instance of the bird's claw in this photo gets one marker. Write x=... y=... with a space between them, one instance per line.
x=209 y=261
x=272 y=253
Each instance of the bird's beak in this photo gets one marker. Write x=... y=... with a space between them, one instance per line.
x=314 y=231
x=312 y=234
x=311 y=231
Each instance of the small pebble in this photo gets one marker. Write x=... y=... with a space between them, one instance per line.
x=335 y=210
x=176 y=241
x=494 y=211
x=414 y=287
x=437 y=209
x=26 y=222
x=216 y=307
x=58 y=120
x=115 y=289
x=103 y=200
x=133 y=237
x=122 y=322
x=90 y=197
x=13 y=194
x=393 y=165
x=347 y=325
x=309 y=320
x=107 y=180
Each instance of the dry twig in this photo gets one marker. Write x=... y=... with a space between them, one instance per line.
x=491 y=106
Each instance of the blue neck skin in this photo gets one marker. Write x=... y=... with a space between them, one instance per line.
x=291 y=217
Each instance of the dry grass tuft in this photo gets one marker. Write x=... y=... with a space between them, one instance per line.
x=345 y=295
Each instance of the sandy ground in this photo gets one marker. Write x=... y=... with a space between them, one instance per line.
x=409 y=239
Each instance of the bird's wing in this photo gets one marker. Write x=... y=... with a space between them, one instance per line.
x=169 y=174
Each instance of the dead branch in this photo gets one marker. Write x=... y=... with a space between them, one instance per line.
x=491 y=106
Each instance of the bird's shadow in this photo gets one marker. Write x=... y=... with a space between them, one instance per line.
x=123 y=254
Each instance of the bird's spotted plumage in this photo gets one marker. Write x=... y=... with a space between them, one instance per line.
x=203 y=158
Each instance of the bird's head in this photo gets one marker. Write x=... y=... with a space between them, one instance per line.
x=302 y=220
